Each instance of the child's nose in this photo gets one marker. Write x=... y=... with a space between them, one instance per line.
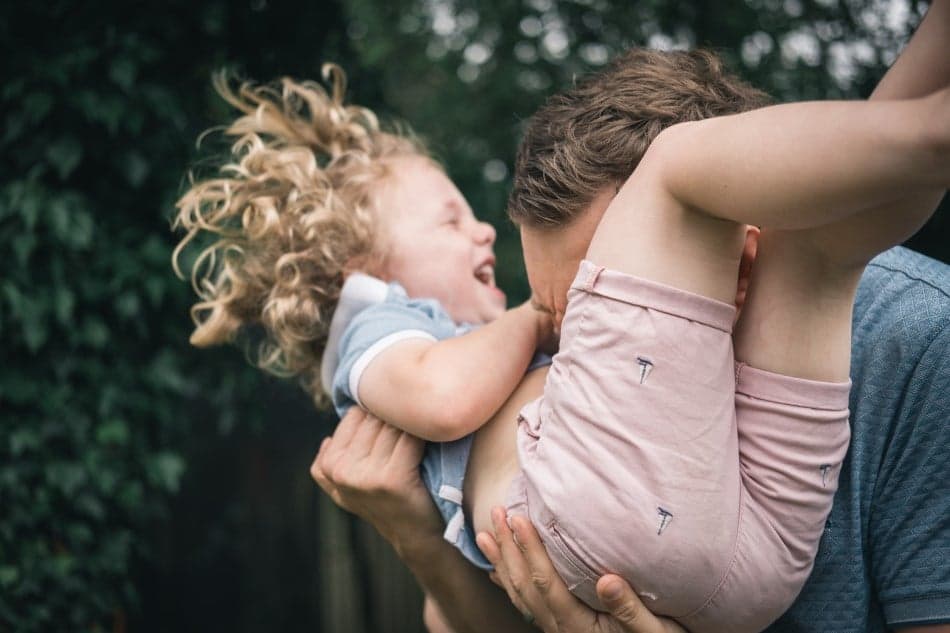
x=485 y=233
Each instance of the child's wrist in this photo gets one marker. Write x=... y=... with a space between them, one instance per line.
x=544 y=329
x=541 y=322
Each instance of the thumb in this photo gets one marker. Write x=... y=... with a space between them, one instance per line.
x=625 y=606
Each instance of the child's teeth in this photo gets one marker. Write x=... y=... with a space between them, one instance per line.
x=485 y=273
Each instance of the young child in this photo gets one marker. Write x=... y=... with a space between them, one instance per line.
x=703 y=481
x=318 y=194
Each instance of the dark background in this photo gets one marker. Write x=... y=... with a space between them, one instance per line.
x=147 y=486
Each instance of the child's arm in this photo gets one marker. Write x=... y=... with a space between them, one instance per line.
x=443 y=390
x=922 y=68
x=923 y=65
x=801 y=165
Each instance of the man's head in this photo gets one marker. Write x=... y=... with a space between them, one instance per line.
x=583 y=144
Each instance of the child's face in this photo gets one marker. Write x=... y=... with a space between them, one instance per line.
x=553 y=255
x=434 y=245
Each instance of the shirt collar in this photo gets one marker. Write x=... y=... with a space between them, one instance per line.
x=358 y=293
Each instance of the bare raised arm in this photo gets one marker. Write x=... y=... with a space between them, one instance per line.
x=923 y=66
x=801 y=165
x=797 y=166
x=445 y=390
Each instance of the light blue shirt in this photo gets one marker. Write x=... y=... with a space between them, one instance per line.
x=383 y=316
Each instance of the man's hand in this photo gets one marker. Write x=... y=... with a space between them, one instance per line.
x=372 y=470
x=523 y=568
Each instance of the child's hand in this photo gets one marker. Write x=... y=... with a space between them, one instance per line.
x=548 y=334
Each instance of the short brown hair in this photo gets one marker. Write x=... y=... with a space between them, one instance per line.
x=595 y=134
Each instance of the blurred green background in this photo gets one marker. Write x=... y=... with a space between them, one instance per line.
x=147 y=486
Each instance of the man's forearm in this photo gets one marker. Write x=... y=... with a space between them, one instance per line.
x=466 y=596
x=372 y=469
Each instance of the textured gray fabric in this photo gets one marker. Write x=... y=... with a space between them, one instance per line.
x=884 y=559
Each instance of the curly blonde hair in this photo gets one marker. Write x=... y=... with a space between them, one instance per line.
x=290 y=211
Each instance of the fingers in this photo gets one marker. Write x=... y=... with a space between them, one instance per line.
x=555 y=604
x=493 y=576
x=489 y=548
x=316 y=468
x=510 y=553
x=486 y=543
x=318 y=471
x=523 y=568
x=540 y=569
x=332 y=449
x=508 y=561
x=365 y=436
x=352 y=440
x=349 y=424
x=408 y=449
x=625 y=606
x=385 y=442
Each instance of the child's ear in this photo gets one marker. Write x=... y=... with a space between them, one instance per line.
x=370 y=264
x=745 y=265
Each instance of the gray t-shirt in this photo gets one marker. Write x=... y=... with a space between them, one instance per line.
x=884 y=559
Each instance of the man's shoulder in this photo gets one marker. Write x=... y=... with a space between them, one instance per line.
x=903 y=293
x=893 y=514
x=873 y=568
x=911 y=270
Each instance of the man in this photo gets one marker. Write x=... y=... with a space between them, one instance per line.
x=884 y=561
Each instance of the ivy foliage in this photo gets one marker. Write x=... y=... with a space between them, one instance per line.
x=98 y=389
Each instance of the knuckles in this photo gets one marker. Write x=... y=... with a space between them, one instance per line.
x=541 y=582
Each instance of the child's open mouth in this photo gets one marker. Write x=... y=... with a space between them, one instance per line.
x=486 y=274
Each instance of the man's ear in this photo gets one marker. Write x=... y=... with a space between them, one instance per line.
x=745 y=265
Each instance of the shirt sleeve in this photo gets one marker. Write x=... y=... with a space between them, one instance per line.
x=909 y=526
x=376 y=329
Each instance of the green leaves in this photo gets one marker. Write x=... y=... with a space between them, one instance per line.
x=97 y=130
x=165 y=470
x=114 y=432
x=64 y=155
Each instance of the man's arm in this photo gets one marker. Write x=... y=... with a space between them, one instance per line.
x=372 y=470
x=453 y=385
